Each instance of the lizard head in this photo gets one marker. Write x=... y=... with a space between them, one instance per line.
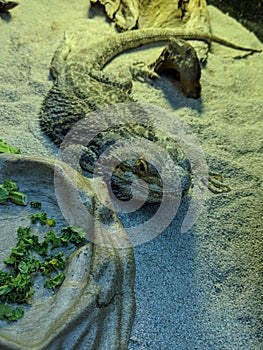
x=138 y=162
x=137 y=178
x=142 y=170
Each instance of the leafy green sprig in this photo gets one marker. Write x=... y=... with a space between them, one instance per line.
x=29 y=257
x=6 y=148
x=9 y=190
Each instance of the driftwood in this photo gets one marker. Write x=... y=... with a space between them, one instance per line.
x=188 y=15
x=123 y=12
x=128 y=14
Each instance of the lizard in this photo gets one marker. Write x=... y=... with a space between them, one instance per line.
x=80 y=87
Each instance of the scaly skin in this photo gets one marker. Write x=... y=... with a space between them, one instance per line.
x=81 y=87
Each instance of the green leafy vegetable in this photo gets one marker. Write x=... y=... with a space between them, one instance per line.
x=18 y=198
x=51 y=222
x=72 y=234
x=56 y=281
x=53 y=239
x=5 y=148
x=30 y=257
x=4 y=194
x=53 y=263
x=9 y=313
x=35 y=205
x=42 y=218
x=10 y=185
x=9 y=190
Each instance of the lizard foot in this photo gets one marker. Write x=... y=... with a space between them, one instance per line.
x=143 y=73
x=216 y=184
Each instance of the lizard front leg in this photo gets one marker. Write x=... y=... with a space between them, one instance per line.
x=216 y=184
x=121 y=82
x=178 y=57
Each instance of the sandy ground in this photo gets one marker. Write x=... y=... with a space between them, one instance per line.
x=197 y=290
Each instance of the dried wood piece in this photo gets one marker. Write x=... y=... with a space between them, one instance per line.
x=188 y=15
x=160 y=14
x=123 y=12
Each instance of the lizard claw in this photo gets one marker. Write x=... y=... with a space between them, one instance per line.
x=141 y=72
x=216 y=184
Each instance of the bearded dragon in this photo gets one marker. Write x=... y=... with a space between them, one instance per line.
x=81 y=87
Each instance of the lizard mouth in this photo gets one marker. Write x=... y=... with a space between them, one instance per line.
x=142 y=181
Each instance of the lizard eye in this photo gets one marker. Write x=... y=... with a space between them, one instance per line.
x=141 y=165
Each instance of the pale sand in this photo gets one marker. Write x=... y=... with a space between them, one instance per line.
x=197 y=290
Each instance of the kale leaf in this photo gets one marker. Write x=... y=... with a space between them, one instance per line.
x=30 y=257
